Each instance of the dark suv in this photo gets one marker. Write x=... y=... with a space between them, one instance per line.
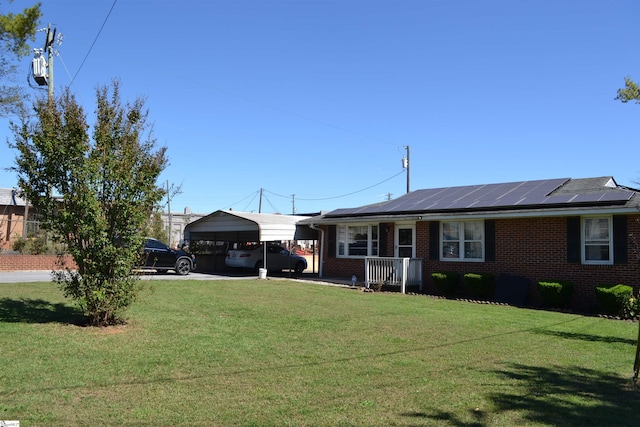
x=160 y=257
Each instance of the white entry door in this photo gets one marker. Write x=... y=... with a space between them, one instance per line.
x=405 y=238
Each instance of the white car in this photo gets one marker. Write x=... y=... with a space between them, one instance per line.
x=278 y=259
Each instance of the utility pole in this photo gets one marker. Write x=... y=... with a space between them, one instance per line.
x=406 y=164
x=293 y=202
x=42 y=73
x=169 y=212
x=260 y=204
x=25 y=221
x=41 y=68
x=171 y=192
x=48 y=47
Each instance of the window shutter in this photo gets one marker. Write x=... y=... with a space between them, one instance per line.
x=620 y=239
x=573 y=239
x=331 y=241
x=383 y=236
x=490 y=240
x=434 y=240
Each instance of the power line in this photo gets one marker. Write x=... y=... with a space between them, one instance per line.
x=343 y=195
x=271 y=204
x=250 y=201
x=245 y=98
x=270 y=106
x=94 y=41
x=302 y=116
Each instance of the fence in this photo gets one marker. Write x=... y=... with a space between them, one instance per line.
x=401 y=272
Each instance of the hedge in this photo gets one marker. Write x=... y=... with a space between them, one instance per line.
x=555 y=293
x=446 y=282
x=612 y=298
x=479 y=285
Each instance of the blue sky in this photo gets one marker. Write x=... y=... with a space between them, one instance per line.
x=318 y=98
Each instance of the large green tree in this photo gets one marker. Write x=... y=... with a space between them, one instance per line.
x=16 y=30
x=630 y=91
x=95 y=194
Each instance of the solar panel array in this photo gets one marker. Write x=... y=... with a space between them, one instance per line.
x=499 y=196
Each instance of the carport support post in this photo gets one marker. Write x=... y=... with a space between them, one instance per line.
x=264 y=255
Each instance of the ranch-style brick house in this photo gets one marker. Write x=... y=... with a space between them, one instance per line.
x=586 y=231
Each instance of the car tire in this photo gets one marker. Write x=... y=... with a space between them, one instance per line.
x=183 y=266
x=299 y=267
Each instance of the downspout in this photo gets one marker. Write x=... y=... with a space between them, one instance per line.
x=321 y=260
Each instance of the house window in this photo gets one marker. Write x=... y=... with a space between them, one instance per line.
x=357 y=240
x=462 y=241
x=597 y=240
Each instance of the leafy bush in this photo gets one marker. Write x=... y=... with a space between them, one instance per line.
x=555 y=293
x=613 y=298
x=33 y=244
x=446 y=282
x=631 y=307
x=38 y=245
x=19 y=245
x=479 y=285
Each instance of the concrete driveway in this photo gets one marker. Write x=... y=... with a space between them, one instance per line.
x=45 y=276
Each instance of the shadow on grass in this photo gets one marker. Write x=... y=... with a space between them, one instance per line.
x=586 y=337
x=447 y=418
x=568 y=396
x=27 y=310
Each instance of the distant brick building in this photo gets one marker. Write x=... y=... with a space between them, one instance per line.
x=12 y=218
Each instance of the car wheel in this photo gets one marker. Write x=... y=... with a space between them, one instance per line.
x=183 y=266
x=299 y=267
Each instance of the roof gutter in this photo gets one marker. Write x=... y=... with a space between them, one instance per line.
x=417 y=216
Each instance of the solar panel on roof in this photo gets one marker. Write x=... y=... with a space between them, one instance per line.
x=617 y=196
x=504 y=195
x=560 y=198
x=582 y=198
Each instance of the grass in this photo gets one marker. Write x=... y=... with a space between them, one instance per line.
x=285 y=353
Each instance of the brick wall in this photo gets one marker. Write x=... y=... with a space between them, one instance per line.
x=17 y=262
x=11 y=222
x=535 y=248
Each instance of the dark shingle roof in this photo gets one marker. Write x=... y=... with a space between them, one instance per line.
x=512 y=195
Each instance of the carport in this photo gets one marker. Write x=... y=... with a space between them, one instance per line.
x=229 y=226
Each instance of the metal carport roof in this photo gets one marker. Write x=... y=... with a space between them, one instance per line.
x=248 y=227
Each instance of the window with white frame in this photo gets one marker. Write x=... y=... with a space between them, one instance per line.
x=597 y=240
x=462 y=240
x=357 y=240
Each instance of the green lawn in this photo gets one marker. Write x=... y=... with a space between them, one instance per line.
x=285 y=353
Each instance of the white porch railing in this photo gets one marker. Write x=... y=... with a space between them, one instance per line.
x=401 y=272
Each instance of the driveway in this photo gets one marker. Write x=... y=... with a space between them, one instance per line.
x=45 y=276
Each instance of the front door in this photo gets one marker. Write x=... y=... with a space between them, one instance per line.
x=405 y=241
